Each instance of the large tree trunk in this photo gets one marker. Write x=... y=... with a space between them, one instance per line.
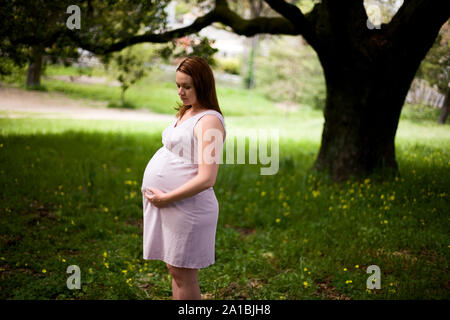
x=368 y=74
x=35 y=67
x=444 y=112
x=361 y=119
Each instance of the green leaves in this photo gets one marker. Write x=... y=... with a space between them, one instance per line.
x=128 y=67
x=193 y=45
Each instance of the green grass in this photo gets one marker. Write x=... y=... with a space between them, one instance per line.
x=70 y=195
x=150 y=93
x=60 y=70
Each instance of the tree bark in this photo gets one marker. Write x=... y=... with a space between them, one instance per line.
x=444 y=112
x=361 y=119
x=35 y=67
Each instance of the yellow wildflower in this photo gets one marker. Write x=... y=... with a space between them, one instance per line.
x=129 y=282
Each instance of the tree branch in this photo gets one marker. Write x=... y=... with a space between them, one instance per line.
x=296 y=17
x=220 y=13
x=288 y=10
x=416 y=17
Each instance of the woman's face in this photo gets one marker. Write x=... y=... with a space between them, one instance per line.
x=186 y=90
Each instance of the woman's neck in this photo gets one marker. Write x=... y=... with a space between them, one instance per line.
x=196 y=109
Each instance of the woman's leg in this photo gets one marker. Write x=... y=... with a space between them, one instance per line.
x=184 y=283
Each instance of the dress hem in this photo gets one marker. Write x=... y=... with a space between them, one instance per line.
x=181 y=266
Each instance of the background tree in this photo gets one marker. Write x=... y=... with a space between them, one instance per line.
x=291 y=73
x=256 y=8
x=33 y=29
x=128 y=66
x=435 y=68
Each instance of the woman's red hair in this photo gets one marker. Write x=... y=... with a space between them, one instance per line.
x=204 y=84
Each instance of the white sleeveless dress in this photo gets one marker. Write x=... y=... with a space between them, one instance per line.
x=183 y=233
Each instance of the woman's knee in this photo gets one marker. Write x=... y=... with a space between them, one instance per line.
x=182 y=276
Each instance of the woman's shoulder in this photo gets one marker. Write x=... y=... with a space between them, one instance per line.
x=211 y=116
x=211 y=112
x=212 y=119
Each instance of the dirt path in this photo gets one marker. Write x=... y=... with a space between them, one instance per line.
x=19 y=103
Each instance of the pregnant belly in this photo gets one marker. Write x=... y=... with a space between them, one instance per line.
x=166 y=172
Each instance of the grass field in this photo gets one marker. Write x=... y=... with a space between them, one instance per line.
x=70 y=195
x=156 y=92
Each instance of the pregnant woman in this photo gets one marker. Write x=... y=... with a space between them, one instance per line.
x=179 y=203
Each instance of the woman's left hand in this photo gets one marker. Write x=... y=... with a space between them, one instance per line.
x=156 y=197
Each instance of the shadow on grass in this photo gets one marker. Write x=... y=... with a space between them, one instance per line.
x=74 y=198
